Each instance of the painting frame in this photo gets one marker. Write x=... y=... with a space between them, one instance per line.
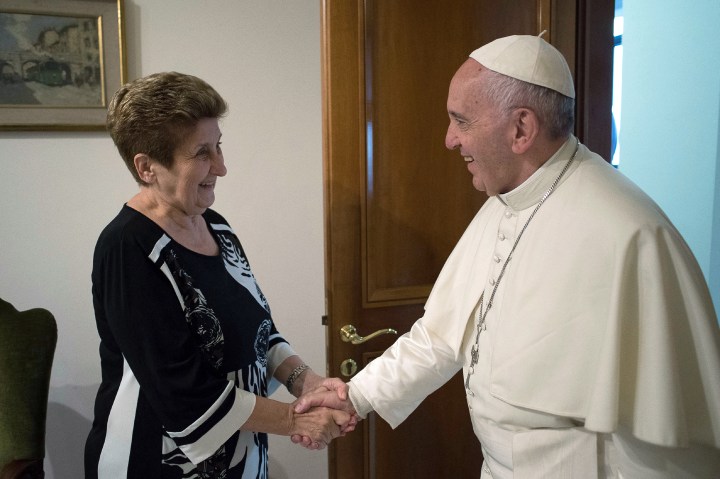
x=111 y=59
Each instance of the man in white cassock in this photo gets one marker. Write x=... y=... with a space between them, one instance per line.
x=580 y=319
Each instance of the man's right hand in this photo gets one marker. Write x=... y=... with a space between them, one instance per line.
x=322 y=397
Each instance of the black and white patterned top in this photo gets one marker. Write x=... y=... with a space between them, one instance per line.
x=186 y=344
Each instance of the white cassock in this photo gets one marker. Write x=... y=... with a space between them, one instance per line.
x=601 y=356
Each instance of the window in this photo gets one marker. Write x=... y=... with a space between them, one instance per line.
x=617 y=83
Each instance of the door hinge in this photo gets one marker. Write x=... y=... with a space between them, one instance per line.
x=324 y=320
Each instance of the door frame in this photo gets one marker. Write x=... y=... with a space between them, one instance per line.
x=581 y=30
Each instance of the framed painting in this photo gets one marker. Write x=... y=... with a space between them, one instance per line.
x=60 y=63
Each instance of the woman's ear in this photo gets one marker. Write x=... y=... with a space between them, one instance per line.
x=527 y=128
x=143 y=166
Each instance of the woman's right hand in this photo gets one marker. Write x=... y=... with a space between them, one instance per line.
x=320 y=425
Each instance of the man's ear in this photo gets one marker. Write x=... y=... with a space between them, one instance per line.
x=526 y=127
x=143 y=166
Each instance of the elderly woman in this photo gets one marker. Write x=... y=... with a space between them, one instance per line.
x=187 y=343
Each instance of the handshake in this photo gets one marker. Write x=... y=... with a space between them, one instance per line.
x=322 y=413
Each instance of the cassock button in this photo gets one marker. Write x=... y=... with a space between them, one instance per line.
x=492 y=281
x=496 y=258
x=508 y=214
x=501 y=237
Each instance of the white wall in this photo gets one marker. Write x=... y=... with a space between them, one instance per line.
x=670 y=132
x=60 y=188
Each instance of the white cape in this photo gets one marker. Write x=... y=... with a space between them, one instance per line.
x=604 y=314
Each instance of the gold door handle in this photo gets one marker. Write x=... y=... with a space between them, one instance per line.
x=349 y=334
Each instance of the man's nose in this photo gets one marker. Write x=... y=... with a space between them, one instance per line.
x=451 y=139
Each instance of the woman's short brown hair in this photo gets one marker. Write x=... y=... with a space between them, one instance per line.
x=152 y=115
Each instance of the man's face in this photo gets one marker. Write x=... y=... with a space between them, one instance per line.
x=481 y=133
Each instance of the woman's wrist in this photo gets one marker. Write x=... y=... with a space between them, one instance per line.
x=308 y=381
x=296 y=379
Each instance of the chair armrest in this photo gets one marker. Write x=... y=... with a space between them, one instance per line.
x=23 y=469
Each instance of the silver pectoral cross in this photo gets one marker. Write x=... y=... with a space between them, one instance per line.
x=474 y=356
x=475 y=349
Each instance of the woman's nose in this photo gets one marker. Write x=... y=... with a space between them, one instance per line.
x=219 y=168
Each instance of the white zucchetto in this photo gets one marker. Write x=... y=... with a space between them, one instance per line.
x=527 y=58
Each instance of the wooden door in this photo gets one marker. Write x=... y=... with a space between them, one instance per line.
x=396 y=201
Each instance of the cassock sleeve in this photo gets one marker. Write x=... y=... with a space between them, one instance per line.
x=398 y=381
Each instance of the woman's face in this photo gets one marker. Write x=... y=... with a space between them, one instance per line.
x=188 y=186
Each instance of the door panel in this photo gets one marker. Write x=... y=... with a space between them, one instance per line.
x=396 y=201
x=417 y=198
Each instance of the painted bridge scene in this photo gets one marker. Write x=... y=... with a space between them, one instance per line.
x=49 y=60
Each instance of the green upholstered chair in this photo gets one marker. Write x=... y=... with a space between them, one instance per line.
x=27 y=346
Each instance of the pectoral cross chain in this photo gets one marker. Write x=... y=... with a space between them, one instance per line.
x=475 y=350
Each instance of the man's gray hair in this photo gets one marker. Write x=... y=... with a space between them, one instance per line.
x=555 y=111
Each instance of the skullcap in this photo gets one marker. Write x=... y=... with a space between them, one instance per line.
x=527 y=58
